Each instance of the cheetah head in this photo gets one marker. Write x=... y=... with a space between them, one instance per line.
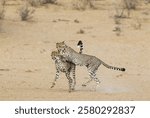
x=61 y=47
x=54 y=55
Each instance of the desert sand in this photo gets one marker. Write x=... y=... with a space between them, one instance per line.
x=27 y=70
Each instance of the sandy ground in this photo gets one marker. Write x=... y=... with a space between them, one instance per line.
x=27 y=70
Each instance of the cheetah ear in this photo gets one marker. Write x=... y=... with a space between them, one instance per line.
x=64 y=44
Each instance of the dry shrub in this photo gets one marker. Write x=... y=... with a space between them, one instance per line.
x=81 y=31
x=26 y=13
x=117 y=30
x=2 y=8
x=3 y=2
x=117 y=20
x=48 y=1
x=2 y=11
x=125 y=5
x=147 y=1
x=130 y=4
x=82 y=4
x=36 y=3
x=137 y=24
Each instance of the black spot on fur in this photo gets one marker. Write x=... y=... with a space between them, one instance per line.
x=123 y=69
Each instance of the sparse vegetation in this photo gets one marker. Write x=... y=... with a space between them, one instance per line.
x=81 y=31
x=3 y=2
x=125 y=5
x=117 y=21
x=48 y=1
x=117 y=30
x=147 y=1
x=82 y=4
x=130 y=4
x=2 y=9
x=76 y=21
x=36 y=3
x=26 y=13
x=137 y=24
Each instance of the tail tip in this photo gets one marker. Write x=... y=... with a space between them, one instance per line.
x=79 y=43
x=123 y=69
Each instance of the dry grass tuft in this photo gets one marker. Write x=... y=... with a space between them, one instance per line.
x=2 y=9
x=125 y=5
x=26 y=13
x=36 y=3
x=81 y=31
x=82 y=4
x=117 y=30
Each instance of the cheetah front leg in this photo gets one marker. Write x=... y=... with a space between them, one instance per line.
x=69 y=81
x=56 y=77
x=73 y=77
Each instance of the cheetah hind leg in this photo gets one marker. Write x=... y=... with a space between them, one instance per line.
x=93 y=77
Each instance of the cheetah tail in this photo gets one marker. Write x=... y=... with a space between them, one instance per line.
x=80 y=45
x=114 y=68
